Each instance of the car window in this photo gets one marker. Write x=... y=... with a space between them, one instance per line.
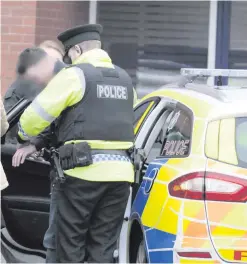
x=177 y=140
x=241 y=141
x=140 y=113
x=156 y=139
x=226 y=141
x=227 y=149
x=212 y=140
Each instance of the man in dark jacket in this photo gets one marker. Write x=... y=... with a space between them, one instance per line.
x=27 y=89
x=19 y=89
x=22 y=88
x=43 y=140
x=39 y=142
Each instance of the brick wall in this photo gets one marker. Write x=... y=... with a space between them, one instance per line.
x=25 y=23
x=55 y=16
x=17 y=33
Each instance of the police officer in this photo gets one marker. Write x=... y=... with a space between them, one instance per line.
x=94 y=103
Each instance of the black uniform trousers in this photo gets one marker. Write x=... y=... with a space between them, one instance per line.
x=50 y=235
x=89 y=219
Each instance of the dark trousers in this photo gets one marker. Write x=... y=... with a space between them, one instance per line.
x=89 y=219
x=50 y=235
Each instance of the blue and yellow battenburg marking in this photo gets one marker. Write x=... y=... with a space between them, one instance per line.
x=154 y=238
x=171 y=224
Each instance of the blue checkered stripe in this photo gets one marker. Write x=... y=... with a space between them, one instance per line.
x=109 y=157
x=22 y=131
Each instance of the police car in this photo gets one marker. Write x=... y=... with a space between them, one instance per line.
x=189 y=204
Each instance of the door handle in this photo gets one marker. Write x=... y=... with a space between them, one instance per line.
x=150 y=180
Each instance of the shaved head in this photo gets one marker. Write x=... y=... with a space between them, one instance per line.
x=76 y=51
x=90 y=44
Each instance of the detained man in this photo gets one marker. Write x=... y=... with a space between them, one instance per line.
x=44 y=139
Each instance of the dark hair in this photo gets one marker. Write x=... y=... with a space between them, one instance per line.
x=28 y=58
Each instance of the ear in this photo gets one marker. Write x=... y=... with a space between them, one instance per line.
x=78 y=49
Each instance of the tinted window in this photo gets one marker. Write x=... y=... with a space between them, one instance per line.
x=241 y=141
x=159 y=140
x=178 y=136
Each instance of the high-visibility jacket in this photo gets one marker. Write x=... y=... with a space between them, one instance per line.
x=106 y=110
x=63 y=91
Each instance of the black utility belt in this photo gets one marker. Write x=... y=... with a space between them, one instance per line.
x=81 y=155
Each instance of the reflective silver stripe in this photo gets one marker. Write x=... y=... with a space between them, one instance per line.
x=25 y=136
x=81 y=76
x=41 y=112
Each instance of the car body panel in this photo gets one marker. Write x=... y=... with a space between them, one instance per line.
x=228 y=220
x=172 y=225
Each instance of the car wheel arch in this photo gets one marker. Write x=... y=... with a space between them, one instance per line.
x=137 y=235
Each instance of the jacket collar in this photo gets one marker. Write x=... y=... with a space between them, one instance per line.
x=96 y=57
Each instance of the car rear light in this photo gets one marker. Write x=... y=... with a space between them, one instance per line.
x=215 y=187
x=203 y=255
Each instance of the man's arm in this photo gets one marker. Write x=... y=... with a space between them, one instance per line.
x=64 y=90
x=36 y=143
x=43 y=140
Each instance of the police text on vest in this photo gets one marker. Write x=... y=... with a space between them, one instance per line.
x=112 y=92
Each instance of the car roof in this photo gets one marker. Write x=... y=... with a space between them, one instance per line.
x=228 y=110
x=206 y=102
x=221 y=93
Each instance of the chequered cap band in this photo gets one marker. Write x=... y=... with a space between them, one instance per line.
x=109 y=157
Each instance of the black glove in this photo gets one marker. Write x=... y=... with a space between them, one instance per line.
x=82 y=154
x=75 y=155
x=66 y=156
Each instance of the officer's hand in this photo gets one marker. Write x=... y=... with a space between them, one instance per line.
x=22 y=153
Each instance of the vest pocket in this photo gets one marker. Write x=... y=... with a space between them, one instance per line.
x=79 y=129
x=66 y=131
x=72 y=125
